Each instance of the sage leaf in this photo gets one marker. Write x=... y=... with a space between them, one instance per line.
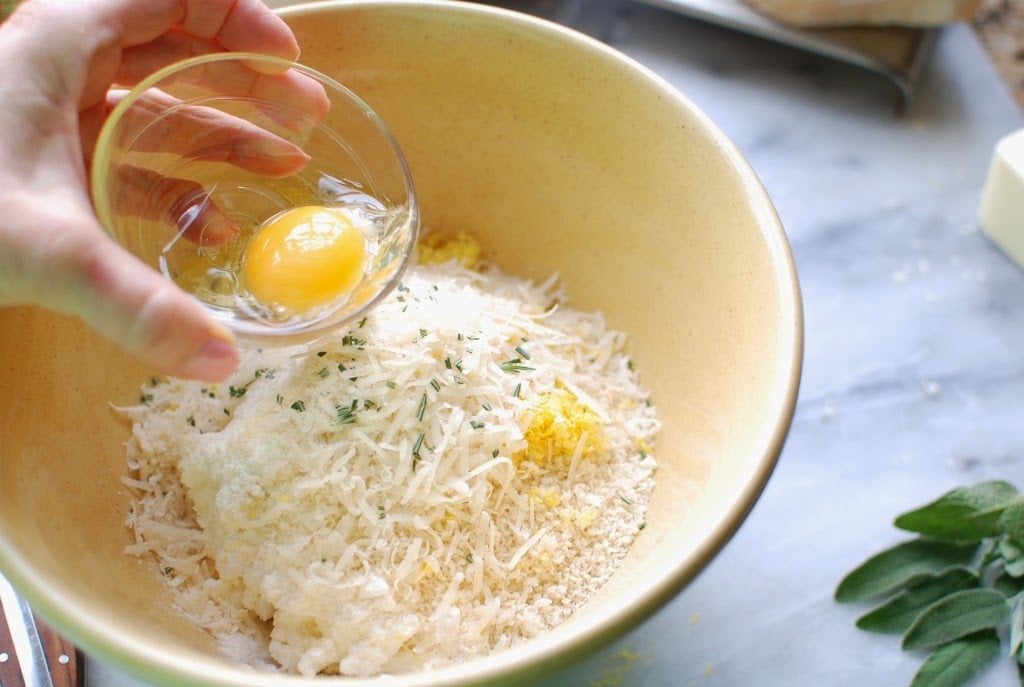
x=955 y=616
x=1013 y=559
x=988 y=552
x=1016 y=626
x=956 y=663
x=965 y=513
x=896 y=567
x=898 y=613
x=1008 y=585
x=1011 y=521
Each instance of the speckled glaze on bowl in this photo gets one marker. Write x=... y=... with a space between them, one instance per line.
x=561 y=155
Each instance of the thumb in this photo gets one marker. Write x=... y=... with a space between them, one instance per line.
x=151 y=318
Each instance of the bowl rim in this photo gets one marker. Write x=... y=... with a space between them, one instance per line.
x=518 y=665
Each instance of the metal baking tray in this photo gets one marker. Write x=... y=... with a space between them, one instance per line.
x=897 y=53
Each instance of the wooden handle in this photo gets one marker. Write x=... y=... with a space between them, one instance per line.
x=63 y=662
x=61 y=657
x=10 y=669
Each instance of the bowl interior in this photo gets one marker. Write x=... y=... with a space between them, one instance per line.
x=560 y=156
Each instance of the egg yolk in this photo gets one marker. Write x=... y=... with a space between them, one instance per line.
x=304 y=258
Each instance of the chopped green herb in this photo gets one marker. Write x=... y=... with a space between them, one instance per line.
x=515 y=365
x=435 y=385
x=362 y=323
x=469 y=558
x=191 y=420
x=630 y=366
x=299 y=406
x=349 y=340
x=423 y=332
x=448 y=363
x=153 y=381
x=368 y=404
x=643 y=526
x=495 y=453
x=418 y=445
x=627 y=501
x=390 y=384
x=321 y=354
x=324 y=372
x=341 y=367
x=422 y=408
x=226 y=412
x=519 y=388
x=280 y=398
x=486 y=406
x=522 y=353
x=237 y=391
x=346 y=414
x=475 y=424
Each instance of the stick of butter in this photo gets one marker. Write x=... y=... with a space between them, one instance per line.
x=1002 y=202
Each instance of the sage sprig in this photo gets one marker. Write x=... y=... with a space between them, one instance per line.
x=956 y=590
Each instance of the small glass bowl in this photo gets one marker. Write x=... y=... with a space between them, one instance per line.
x=196 y=158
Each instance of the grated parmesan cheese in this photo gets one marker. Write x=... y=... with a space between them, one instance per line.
x=456 y=474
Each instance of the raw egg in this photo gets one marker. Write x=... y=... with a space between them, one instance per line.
x=304 y=258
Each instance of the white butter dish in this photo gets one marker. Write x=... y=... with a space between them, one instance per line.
x=1002 y=201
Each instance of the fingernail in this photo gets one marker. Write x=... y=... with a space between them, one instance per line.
x=274 y=158
x=216 y=360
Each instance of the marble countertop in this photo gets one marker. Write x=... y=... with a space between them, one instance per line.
x=914 y=368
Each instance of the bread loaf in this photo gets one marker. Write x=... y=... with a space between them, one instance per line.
x=820 y=13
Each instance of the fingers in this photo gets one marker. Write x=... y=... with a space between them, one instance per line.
x=178 y=202
x=159 y=123
x=92 y=35
x=152 y=319
x=237 y=25
x=59 y=258
x=235 y=79
x=240 y=25
x=197 y=135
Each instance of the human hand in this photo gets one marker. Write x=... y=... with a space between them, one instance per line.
x=63 y=58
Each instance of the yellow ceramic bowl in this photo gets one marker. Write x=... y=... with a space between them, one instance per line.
x=561 y=156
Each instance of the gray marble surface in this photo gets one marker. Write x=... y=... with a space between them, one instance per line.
x=914 y=369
